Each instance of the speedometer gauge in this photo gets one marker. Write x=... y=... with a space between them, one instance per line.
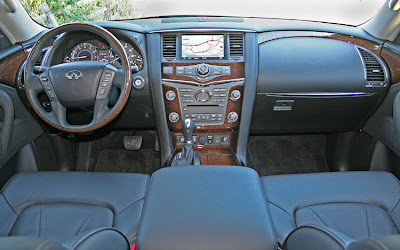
x=82 y=52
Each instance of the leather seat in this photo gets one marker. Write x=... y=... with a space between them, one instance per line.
x=59 y=206
x=358 y=204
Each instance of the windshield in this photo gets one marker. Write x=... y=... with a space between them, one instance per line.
x=55 y=12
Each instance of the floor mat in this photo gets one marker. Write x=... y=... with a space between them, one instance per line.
x=120 y=160
x=271 y=155
x=108 y=154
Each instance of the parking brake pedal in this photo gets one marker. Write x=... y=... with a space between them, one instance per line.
x=132 y=142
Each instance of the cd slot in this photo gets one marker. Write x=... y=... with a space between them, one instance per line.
x=200 y=105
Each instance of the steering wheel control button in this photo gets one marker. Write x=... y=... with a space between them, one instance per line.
x=102 y=91
x=168 y=70
x=235 y=95
x=44 y=78
x=170 y=95
x=173 y=117
x=50 y=94
x=203 y=95
x=138 y=82
x=106 y=78
x=232 y=117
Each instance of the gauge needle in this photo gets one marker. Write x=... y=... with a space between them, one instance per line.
x=116 y=58
x=79 y=57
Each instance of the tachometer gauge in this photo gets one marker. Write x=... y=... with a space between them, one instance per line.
x=82 y=52
x=134 y=57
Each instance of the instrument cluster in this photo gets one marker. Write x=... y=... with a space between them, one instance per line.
x=95 y=50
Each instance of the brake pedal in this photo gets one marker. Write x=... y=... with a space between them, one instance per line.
x=133 y=143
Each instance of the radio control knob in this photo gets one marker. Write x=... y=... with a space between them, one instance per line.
x=173 y=117
x=235 y=95
x=203 y=70
x=203 y=95
x=170 y=95
x=233 y=116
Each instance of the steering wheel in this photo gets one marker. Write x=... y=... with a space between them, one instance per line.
x=77 y=84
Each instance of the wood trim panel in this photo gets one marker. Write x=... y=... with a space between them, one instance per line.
x=373 y=46
x=393 y=61
x=218 y=157
x=9 y=67
x=237 y=71
x=174 y=106
x=230 y=133
x=223 y=156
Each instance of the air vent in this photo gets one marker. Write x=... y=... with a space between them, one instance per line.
x=375 y=73
x=169 y=46
x=236 y=45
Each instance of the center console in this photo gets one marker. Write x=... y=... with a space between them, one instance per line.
x=206 y=207
x=203 y=79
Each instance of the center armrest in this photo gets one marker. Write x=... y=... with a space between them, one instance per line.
x=206 y=207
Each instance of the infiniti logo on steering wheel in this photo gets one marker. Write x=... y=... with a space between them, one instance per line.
x=73 y=73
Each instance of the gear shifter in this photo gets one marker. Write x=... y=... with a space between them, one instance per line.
x=187 y=127
x=187 y=156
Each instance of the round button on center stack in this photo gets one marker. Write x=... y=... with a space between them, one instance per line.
x=203 y=95
x=203 y=70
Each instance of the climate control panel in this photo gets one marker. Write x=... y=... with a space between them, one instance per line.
x=204 y=104
x=206 y=139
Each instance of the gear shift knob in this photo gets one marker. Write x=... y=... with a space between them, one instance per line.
x=187 y=128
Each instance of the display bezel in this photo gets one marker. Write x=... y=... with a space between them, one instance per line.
x=221 y=57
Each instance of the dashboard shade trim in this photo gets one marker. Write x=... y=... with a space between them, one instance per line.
x=201 y=30
x=269 y=36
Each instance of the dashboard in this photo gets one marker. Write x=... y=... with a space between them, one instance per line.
x=235 y=76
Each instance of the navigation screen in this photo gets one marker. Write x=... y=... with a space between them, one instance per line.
x=202 y=46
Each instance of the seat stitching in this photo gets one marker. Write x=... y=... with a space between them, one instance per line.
x=9 y=204
x=390 y=215
x=87 y=219
x=377 y=243
x=280 y=208
x=318 y=216
x=27 y=205
x=129 y=206
x=143 y=212
x=40 y=218
x=366 y=213
x=397 y=203
x=267 y=209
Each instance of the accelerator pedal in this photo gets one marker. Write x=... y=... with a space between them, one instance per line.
x=133 y=143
